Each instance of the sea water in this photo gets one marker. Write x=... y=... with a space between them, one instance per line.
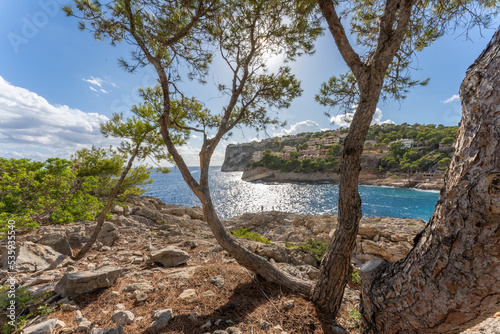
x=232 y=196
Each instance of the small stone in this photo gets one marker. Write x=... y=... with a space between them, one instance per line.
x=217 y=322
x=233 y=330
x=112 y=295
x=79 y=317
x=220 y=331
x=146 y=287
x=189 y=293
x=289 y=304
x=105 y=248
x=83 y=326
x=193 y=316
x=170 y=256
x=207 y=324
x=119 y=210
x=115 y=330
x=140 y=296
x=208 y=294
x=218 y=281
x=69 y=307
x=120 y=306
x=265 y=325
x=123 y=317
x=162 y=318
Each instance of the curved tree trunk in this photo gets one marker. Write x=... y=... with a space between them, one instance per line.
x=102 y=215
x=243 y=256
x=450 y=281
x=248 y=259
x=335 y=266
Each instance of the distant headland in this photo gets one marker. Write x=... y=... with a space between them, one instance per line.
x=394 y=155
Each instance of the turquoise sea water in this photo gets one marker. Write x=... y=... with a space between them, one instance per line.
x=232 y=196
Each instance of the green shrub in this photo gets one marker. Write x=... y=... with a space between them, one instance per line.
x=355 y=317
x=314 y=247
x=23 y=300
x=254 y=236
x=355 y=277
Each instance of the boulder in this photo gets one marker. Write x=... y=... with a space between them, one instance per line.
x=46 y=327
x=162 y=317
x=58 y=241
x=119 y=210
x=76 y=284
x=170 y=256
x=33 y=257
x=115 y=330
x=123 y=317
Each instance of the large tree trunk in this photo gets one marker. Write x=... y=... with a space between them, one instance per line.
x=336 y=264
x=450 y=281
x=335 y=267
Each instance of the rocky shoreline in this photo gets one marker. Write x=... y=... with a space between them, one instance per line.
x=262 y=174
x=157 y=268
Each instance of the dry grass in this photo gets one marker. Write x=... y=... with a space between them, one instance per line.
x=244 y=301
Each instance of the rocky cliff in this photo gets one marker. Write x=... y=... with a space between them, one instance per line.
x=238 y=156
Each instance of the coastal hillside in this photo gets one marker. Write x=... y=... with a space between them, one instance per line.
x=418 y=150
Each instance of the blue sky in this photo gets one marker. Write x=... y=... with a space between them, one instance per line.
x=57 y=83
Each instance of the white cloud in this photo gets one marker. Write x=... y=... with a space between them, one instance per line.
x=94 y=81
x=377 y=118
x=455 y=97
x=34 y=128
x=97 y=84
x=300 y=127
x=344 y=120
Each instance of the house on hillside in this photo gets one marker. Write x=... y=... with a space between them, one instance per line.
x=257 y=156
x=407 y=143
x=289 y=149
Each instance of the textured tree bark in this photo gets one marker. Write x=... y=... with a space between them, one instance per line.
x=335 y=266
x=450 y=281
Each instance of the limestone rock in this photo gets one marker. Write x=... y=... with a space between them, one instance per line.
x=33 y=257
x=46 y=327
x=87 y=281
x=83 y=326
x=218 y=281
x=170 y=256
x=119 y=210
x=186 y=294
x=58 y=241
x=115 y=330
x=146 y=287
x=162 y=318
x=123 y=317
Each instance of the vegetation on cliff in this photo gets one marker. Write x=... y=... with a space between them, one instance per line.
x=405 y=148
